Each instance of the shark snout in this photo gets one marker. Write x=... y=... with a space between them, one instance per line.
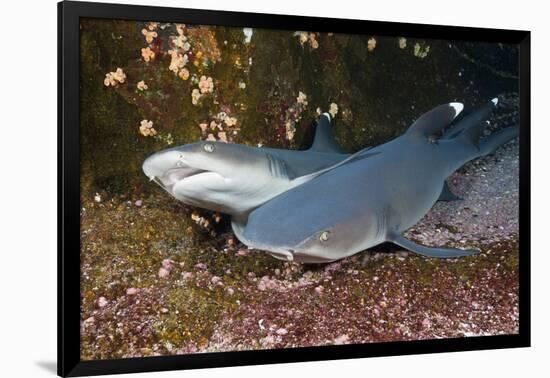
x=170 y=167
x=159 y=163
x=150 y=166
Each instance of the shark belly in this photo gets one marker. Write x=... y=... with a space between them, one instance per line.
x=411 y=177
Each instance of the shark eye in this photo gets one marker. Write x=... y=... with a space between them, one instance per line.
x=209 y=147
x=324 y=236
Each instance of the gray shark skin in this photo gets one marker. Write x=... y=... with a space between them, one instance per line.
x=365 y=202
x=235 y=179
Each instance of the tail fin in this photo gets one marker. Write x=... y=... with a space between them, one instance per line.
x=473 y=120
x=489 y=144
x=471 y=135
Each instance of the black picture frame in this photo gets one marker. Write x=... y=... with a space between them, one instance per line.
x=69 y=363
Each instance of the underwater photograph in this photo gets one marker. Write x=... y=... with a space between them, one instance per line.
x=247 y=189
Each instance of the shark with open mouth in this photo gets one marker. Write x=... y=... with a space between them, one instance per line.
x=235 y=179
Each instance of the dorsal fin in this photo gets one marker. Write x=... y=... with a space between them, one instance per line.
x=324 y=140
x=435 y=120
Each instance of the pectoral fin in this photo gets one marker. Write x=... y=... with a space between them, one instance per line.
x=447 y=195
x=429 y=251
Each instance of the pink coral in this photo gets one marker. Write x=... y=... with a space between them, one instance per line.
x=178 y=61
x=149 y=35
x=115 y=78
x=195 y=96
x=206 y=85
x=146 y=128
x=147 y=54
x=163 y=273
x=142 y=86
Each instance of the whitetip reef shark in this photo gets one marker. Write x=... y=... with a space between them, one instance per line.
x=364 y=202
x=235 y=179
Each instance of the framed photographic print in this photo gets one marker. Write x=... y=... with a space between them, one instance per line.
x=241 y=188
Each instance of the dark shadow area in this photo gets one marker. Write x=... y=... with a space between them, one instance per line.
x=387 y=248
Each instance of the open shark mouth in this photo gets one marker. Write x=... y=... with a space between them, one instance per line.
x=193 y=177
x=175 y=175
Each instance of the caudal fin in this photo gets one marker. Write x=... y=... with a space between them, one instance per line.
x=469 y=131
x=475 y=120
x=466 y=140
x=489 y=144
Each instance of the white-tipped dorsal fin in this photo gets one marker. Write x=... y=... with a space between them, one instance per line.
x=458 y=107
x=323 y=140
x=435 y=120
x=495 y=101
